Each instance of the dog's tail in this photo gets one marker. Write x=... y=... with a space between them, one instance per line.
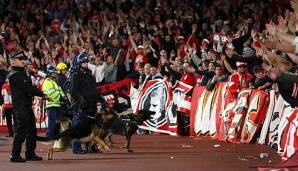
x=67 y=133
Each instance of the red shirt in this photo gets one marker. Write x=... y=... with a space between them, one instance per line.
x=193 y=40
x=188 y=78
x=182 y=53
x=199 y=79
x=238 y=82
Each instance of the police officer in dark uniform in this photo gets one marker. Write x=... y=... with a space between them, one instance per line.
x=84 y=95
x=22 y=93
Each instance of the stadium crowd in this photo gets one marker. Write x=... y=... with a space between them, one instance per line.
x=251 y=44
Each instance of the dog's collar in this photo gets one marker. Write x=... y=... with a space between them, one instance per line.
x=129 y=120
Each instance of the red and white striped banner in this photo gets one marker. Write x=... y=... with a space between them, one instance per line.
x=254 y=115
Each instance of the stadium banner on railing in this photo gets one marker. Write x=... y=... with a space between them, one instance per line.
x=265 y=128
x=206 y=107
x=255 y=116
x=159 y=96
x=196 y=94
x=289 y=140
x=274 y=123
x=240 y=119
x=156 y=96
x=117 y=92
x=283 y=128
x=40 y=116
x=236 y=121
x=203 y=117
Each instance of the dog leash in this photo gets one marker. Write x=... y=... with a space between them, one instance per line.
x=87 y=116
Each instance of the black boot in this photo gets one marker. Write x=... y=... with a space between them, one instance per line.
x=10 y=133
x=10 y=130
x=17 y=159
x=92 y=148
x=79 y=151
x=33 y=157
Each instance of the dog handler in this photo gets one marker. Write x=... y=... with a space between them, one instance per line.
x=84 y=94
x=22 y=93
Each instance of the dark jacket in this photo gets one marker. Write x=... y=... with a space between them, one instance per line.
x=210 y=85
x=252 y=61
x=207 y=76
x=83 y=92
x=61 y=81
x=22 y=90
x=285 y=91
x=168 y=71
x=261 y=82
x=286 y=84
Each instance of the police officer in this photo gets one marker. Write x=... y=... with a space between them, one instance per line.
x=22 y=93
x=56 y=96
x=84 y=94
x=61 y=77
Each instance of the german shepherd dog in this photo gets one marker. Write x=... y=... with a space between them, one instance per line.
x=89 y=131
x=125 y=125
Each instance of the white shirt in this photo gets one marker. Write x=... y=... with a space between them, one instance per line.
x=97 y=71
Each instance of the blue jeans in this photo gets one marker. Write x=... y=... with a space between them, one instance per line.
x=53 y=114
x=78 y=118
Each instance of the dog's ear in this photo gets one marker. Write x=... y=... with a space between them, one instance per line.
x=100 y=110
x=62 y=119
x=65 y=124
x=142 y=112
x=146 y=112
x=110 y=117
x=151 y=112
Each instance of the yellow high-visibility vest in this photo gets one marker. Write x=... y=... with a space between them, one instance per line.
x=53 y=91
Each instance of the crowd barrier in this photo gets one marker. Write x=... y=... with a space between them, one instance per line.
x=255 y=116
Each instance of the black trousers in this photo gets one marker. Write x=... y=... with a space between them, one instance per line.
x=26 y=129
x=183 y=123
x=9 y=115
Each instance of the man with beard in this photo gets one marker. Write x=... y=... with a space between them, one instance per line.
x=217 y=78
